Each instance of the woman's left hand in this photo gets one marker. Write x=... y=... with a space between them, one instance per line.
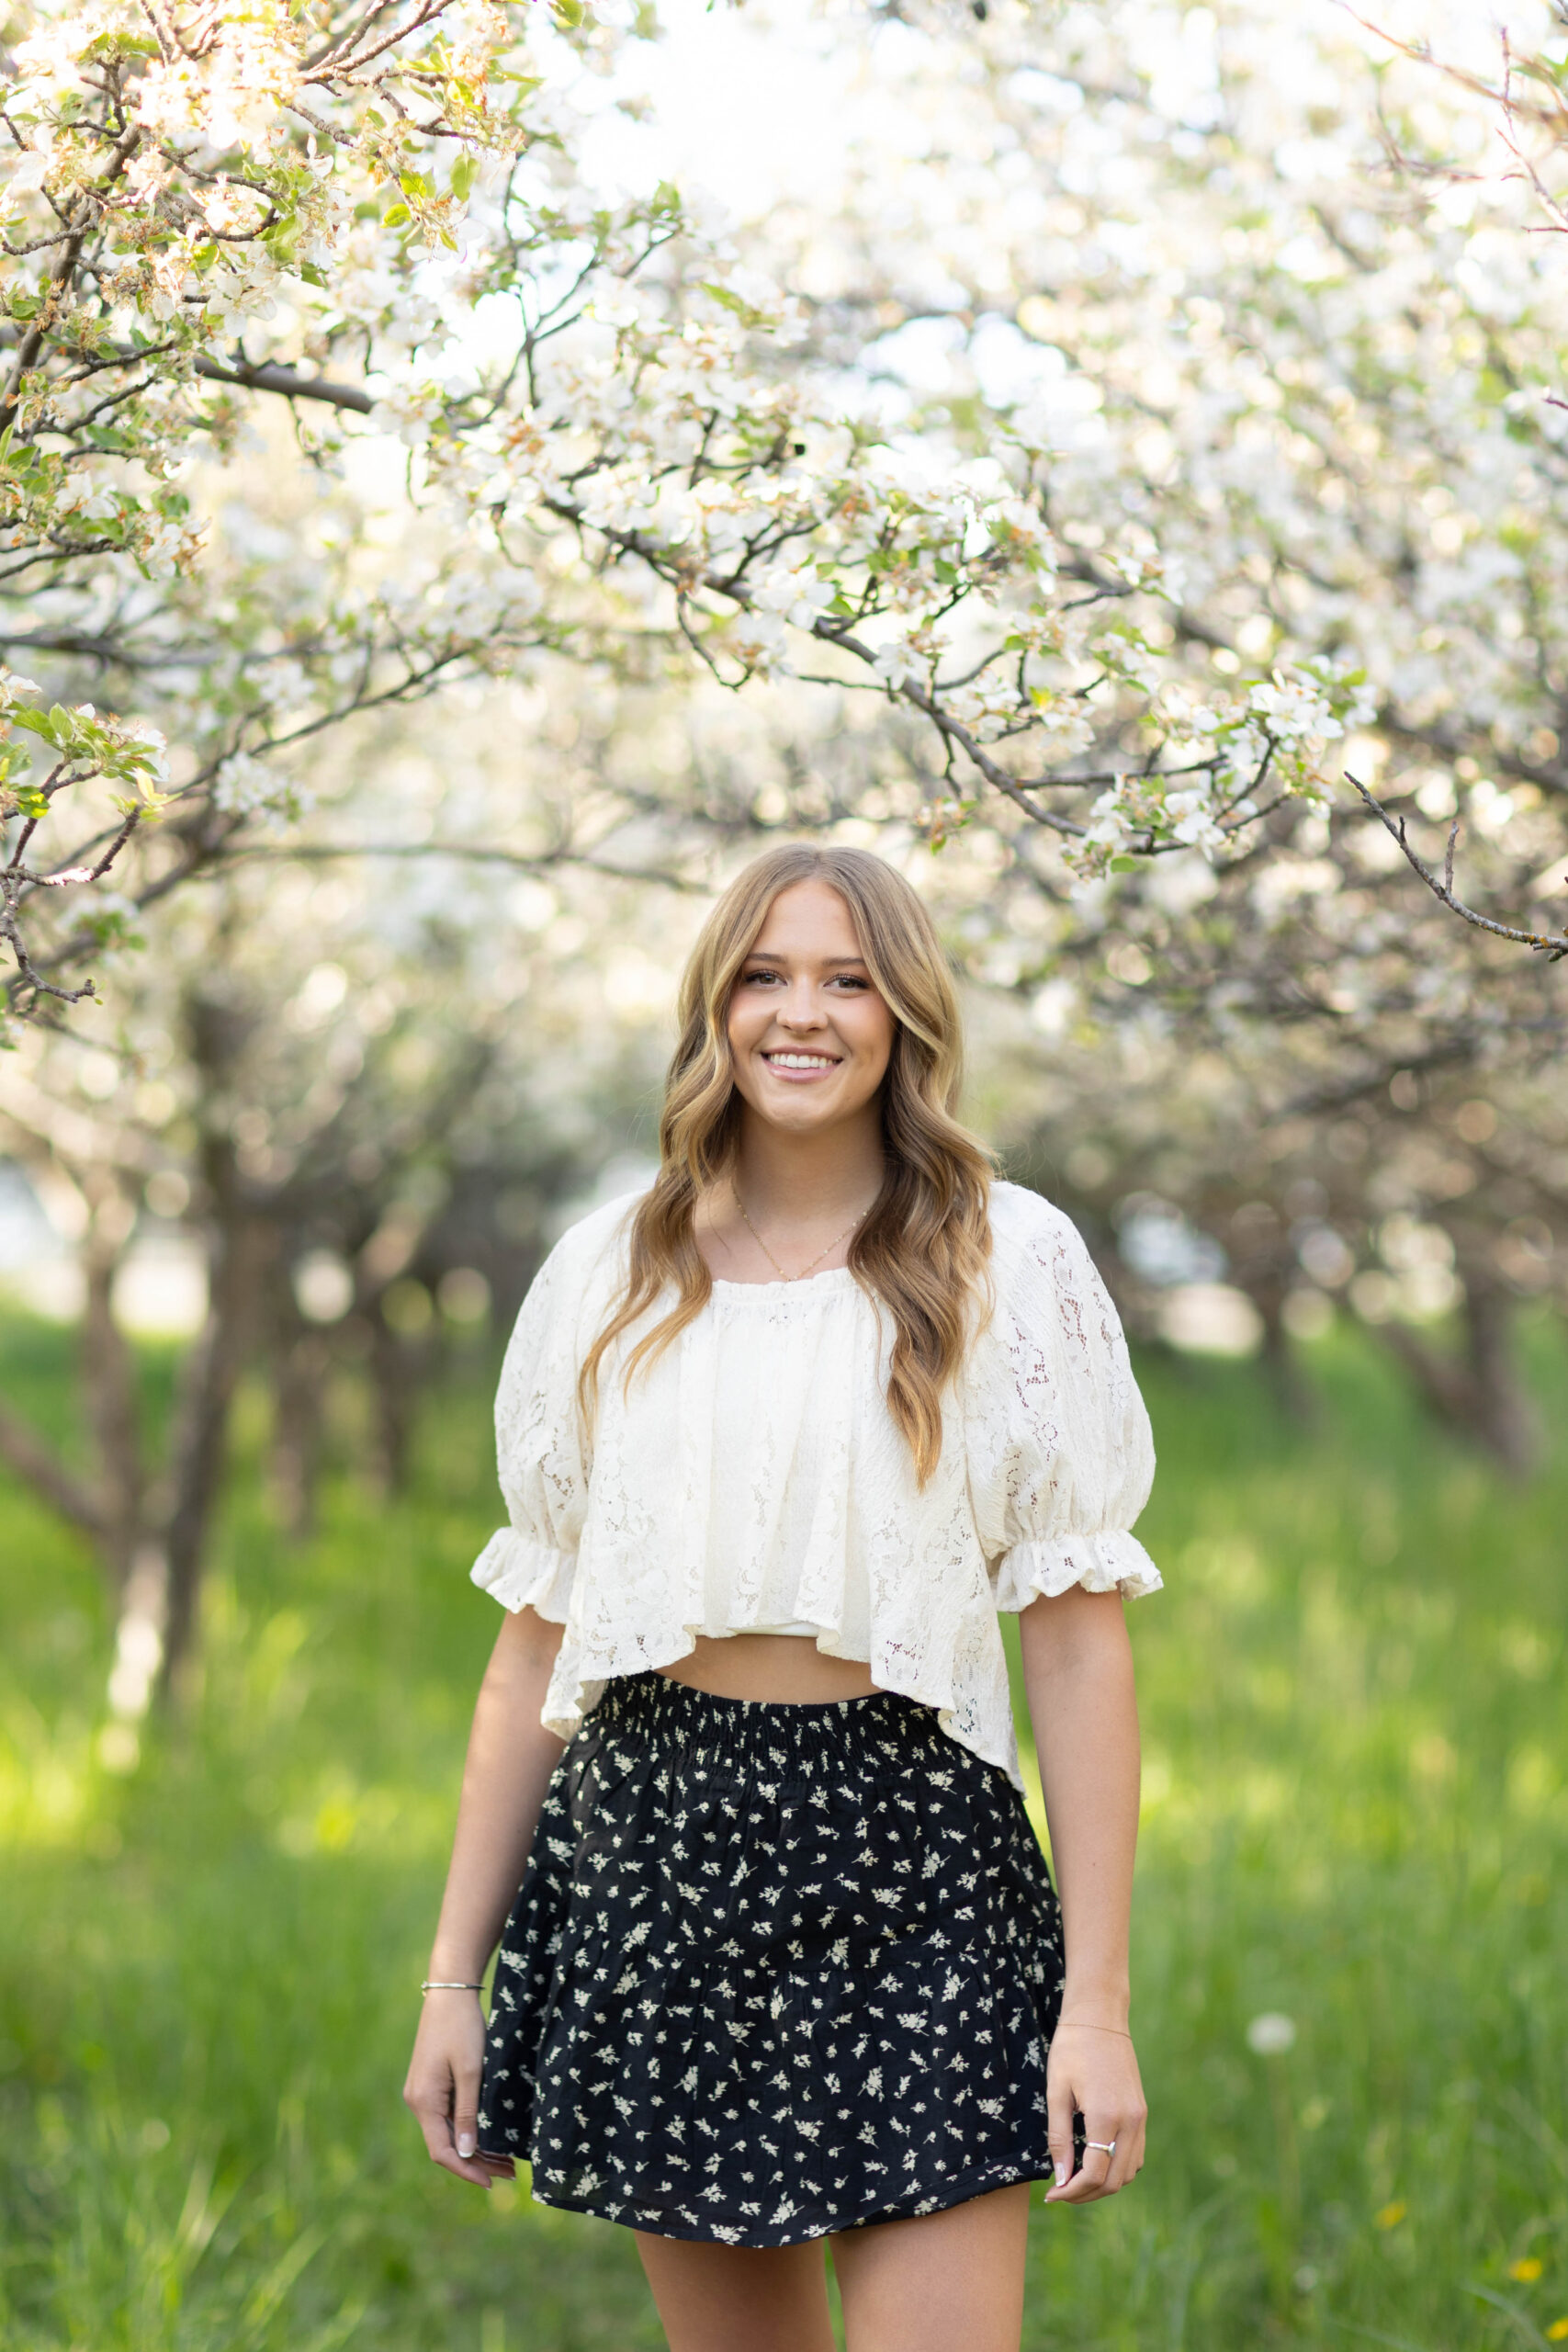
x=1093 y=2072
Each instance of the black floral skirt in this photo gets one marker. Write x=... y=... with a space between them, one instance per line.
x=774 y=1970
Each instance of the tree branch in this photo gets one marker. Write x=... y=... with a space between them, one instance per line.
x=289 y=382
x=35 y=1461
x=1441 y=886
x=472 y=853
x=88 y=647
x=265 y=376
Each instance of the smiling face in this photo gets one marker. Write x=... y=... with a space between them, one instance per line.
x=810 y=1032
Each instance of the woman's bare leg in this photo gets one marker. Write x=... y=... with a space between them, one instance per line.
x=945 y=2282
x=738 y=2298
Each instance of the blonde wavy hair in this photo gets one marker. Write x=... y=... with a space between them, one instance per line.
x=923 y=1250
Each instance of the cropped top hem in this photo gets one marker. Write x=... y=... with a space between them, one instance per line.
x=1112 y=1561
x=565 y=1713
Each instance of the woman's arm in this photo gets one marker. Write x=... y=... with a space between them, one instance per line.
x=1077 y=1671
x=511 y=1758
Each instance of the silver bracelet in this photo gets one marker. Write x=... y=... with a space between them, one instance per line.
x=440 y=1984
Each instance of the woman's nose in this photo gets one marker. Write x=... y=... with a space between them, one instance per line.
x=800 y=1009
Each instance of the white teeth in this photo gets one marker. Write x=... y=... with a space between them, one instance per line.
x=801 y=1061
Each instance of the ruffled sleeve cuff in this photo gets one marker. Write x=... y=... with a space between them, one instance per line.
x=524 y=1575
x=1114 y=1561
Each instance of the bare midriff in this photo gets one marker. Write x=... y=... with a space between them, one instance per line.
x=781 y=1667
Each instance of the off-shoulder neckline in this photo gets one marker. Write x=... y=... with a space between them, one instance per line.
x=1021 y=1208
x=837 y=1275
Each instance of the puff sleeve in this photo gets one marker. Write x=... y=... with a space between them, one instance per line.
x=540 y=1450
x=1061 y=1458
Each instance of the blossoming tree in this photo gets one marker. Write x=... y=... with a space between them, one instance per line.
x=1180 y=441
x=624 y=443
x=1274 y=284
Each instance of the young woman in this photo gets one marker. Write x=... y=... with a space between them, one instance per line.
x=779 y=1439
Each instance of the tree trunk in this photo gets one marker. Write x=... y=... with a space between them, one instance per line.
x=392 y=1381
x=241 y=1247
x=1293 y=1390
x=107 y=1502
x=1476 y=1389
x=1504 y=1413
x=299 y=1386
x=139 y=1631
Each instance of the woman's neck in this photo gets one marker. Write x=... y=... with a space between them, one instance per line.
x=801 y=1178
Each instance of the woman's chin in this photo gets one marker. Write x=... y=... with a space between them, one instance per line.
x=798 y=1107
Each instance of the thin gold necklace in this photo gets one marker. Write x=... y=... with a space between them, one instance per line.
x=820 y=1254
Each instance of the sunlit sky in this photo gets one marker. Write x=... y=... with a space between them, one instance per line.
x=750 y=105
x=762 y=103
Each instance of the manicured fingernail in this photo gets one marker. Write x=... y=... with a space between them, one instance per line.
x=466 y=2143
x=1063 y=2176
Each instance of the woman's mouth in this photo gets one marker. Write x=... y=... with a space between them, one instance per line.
x=799 y=1066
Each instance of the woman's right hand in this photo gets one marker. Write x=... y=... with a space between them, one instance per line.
x=442 y=2085
x=511 y=1758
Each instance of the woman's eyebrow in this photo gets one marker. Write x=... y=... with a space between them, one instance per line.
x=829 y=963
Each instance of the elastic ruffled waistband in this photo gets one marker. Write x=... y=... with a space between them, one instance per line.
x=771 y=1736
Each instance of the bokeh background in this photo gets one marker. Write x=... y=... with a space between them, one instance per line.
x=1281 y=297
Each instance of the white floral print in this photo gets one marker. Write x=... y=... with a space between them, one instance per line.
x=774 y=1970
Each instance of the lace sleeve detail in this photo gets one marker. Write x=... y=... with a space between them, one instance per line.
x=540 y=1439
x=523 y=1575
x=1061 y=1458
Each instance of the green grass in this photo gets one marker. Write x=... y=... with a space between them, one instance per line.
x=1357 y=1816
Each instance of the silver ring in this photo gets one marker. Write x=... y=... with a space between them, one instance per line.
x=1106 y=2148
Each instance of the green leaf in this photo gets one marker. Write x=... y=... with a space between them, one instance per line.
x=569 y=13
x=108 y=46
x=465 y=172
x=733 y=302
x=395 y=215
x=1126 y=864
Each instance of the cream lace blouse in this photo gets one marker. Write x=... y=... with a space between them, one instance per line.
x=753 y=1476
